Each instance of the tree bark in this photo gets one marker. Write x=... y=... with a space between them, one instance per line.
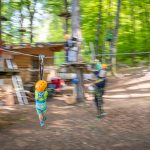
x=0 y=20
x=66 y=18
x=76 y=32
x=113 y=47
x=98 y=31
x=31 y=15
x=21 y=23
x=133 y=32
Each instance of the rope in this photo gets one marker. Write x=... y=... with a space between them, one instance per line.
x=124 y=53
x=41 y=65
x=19 y=53
x=53 y=57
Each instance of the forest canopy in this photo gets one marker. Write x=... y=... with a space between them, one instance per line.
x=30 y=21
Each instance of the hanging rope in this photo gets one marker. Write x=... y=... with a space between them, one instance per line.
x=41 y=65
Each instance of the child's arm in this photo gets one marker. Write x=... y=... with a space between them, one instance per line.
x=46 y=94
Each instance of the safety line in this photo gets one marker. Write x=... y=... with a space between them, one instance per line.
x=56 y=57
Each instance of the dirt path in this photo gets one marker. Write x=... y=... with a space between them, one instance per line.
x=126 y=127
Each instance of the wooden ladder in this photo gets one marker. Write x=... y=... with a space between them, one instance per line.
x=17 y=83
x=21 y=96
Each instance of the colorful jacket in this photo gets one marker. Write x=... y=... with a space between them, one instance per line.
x=41 y=95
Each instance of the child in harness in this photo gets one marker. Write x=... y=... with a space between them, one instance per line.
x=41 y=95
x=100 y=84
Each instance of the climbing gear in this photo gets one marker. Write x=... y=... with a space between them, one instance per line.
x=104 y=66
x=41 y=85
x=41 y=66
x=41 y=95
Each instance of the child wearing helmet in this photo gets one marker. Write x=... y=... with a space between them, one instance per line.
x=40 y=100
x=99 y=89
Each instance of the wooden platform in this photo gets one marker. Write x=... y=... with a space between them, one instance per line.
x=75 y=64
x=78 y=65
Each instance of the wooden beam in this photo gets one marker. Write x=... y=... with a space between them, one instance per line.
x=8 y=72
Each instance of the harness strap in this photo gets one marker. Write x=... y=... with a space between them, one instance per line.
x=41 y=101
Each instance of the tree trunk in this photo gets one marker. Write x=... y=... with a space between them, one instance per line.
x=0 y=21
x=110 y=25
x=98 y=31
x=31 y=10
x=21 y=24
x=31 y=28
x=133 y=32
x=113 y=47
x=66 y=18
x=76 y=32
x=146 y=26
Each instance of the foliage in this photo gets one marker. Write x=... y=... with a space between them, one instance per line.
x=134 y=28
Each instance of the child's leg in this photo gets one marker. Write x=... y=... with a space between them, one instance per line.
x=102 y=101
x=96 y=101
x=99 y=108
x=41 y=117
x=99 y=102
x=44 y=116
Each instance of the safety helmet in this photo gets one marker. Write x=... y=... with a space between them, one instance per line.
x=41 y=85
x=67 y=37
x=104 y=66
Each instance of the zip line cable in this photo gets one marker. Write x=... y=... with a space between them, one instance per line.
x=124 y=53
x=57 y=57
x=20 y=53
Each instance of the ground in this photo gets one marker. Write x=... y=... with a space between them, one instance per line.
x=75 y=127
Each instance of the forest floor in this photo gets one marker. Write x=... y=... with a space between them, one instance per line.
x=75 y=127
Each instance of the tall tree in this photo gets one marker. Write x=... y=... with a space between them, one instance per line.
x=31 y=6
x=0 y=21
x=99 y=25
x=133 y=31
x=76 y=32
x=21 y=19
x=66 y=25
x=113 y=46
